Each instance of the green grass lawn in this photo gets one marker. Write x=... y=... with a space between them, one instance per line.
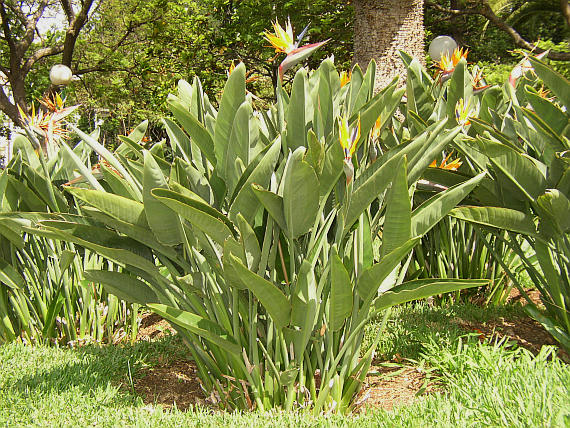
x=483 y=384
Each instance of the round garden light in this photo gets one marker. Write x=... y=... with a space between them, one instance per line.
x=60 y=75
x=441 y=45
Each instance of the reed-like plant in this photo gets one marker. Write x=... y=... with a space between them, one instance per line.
x=44 y=297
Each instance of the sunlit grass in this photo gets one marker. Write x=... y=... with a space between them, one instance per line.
x=484 y=384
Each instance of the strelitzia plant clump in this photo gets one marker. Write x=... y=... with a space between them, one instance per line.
x=256 y=241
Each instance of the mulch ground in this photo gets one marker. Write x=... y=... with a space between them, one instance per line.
x=175 y=383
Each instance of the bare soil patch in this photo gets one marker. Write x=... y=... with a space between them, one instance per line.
x=393 y=386
x=172 y=384
x=526 y=332
x=153 y=327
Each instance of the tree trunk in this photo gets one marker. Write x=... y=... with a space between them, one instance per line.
x=381 y=29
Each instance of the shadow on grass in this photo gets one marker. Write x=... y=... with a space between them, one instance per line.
x=91 y=369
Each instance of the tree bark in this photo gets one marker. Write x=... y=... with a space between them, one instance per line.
x=381 y=29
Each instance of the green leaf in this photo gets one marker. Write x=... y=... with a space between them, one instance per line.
x=459 y=87
x=203 y=327
x=179 y=140
x=232 y=97
x=238 y=147
x=296 y=133
x=108 y=156
x=273 y=300
x=163 y=222
x=501 y=218
x=246 y=202
x=369 y=189
x=250 y=243
x=199 y=214
x=341 y=293
x=557 y=205
x=557 y=83
x=273 y=203
x=304 y=307
x=422 y=288
x=198 y=133
x=10 y=276
x=520 y=169
x=370 y=280
x=428 y=214
x=300 y=199
x=118 y=207
x=123 y=285
x=397 y=228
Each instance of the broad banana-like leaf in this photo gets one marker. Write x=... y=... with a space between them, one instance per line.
x=296 y=132
x=83 y=170
x=557 y=83
x=371 y=188
x=422 y=288
x=273 y=203
x=549 y=112
x=123 y=251
x=340 y=305
x=237 y=156
x=460 y=87
x=331 y=169
x=354 y=87
x=108 y=156
x=246 y=202
x=117 y=183
x=273 y=300
x=129 y=147
x=397 y=228
x=179 y=141
x=367 y=88
x=371 y=279
x=203 y=327
x=198 y=133
x=521 y=170
x=555 y=330
x=300 y=199
x=550 y=135
x=137 y=134
x=199 y=214
x=557 y=205
x=304 y=307
x=233 y=96
x=428 y=214
x=163 y=222
x=138 y=233
x=250 y=244
x=121 y=208
x=501 y=218
x=123 y=285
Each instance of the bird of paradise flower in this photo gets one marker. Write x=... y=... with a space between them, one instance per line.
x=348 y=137
x=345 y=78
x=463 y=111
x=449 y=166
x=447 y=63
x=282 y=41
x=49 y=124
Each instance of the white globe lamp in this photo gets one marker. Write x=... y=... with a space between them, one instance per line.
x=60 y=75
x=440 y=46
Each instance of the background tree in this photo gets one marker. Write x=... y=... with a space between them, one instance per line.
x=22 y=44
x=523 y=22
x=381 y=29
